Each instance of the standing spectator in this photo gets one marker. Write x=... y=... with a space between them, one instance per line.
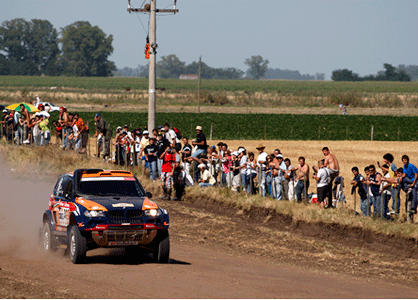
x=206 y=179
x=82 y=134
x=386 y=192
x=302 y=185
x=411 y=171
x=102 y=127
x=45 y=130
x=276 y=178
x=179 y=179
x=200 y=151
x=251 y=173
x=64 y=120
x=19 y=131
x=322 y=185
x=120 y=147
x=36 y=130
x=262 y=167
x=243 y=160
x=151 y=152
x=4 y=123
x=144 y=142
x=289 y=181
x=358 y=183
x=162 y=144
x=185 y=153
x=171 y=136
x=334 y=167
x=137 y=145
x=396 y=191
x=226 y=161
x=374 y=181
x=236 y=177
x=167 y=172
x=58 y=130
x=26 y=120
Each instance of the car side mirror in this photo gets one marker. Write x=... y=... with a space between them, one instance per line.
x=149 y=195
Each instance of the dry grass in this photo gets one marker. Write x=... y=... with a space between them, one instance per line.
x=54 y=161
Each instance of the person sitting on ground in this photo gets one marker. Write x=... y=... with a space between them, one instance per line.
x=206 y=179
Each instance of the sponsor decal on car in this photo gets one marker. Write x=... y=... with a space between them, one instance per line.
x=123 y=205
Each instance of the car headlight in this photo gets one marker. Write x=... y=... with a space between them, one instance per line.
x=94 y=213
x=152 y=212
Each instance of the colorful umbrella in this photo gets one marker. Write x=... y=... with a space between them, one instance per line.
x=28 y=106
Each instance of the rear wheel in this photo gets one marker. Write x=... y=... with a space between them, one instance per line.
x=49 y=242
x=161 y=252
x=77 y=245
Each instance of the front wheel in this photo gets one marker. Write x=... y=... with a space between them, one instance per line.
x=161 y=251
x=77 y=245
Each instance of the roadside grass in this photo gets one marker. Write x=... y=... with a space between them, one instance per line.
x=51 y=160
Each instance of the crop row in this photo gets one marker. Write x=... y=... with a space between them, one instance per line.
x=306 y=88
x=275 y=127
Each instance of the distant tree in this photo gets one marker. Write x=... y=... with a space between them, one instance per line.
x=29 y=48
x=292 y=75
x=411 y=70
x=257 y=66
x=170 y=67
x=344 y=75
x=85 y=50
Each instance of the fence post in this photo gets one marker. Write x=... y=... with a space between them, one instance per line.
x=346 y=134
x=399 y=133
x=291 y=133
x=211 y=131
x=319 y=133
x=372 y=133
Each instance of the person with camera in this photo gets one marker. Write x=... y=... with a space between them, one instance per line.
x=168 y=158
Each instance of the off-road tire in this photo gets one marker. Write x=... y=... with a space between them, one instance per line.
x=161 y=251
x=48 y=241
x=77 y=245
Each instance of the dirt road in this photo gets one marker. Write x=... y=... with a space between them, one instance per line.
x=216 y=253
x=195 y=271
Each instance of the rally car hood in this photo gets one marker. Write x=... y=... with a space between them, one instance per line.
x=115 y=202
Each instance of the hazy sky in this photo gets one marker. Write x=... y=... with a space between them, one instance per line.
x=312 y=36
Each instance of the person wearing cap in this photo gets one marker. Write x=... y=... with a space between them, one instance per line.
x=206 y=179
x=200 y=142
x=103 y=128
x=143 y=143
x=262 y=168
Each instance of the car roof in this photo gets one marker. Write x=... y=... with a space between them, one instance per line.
x=90 y=173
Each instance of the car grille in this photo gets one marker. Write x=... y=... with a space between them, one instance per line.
x=125 y=216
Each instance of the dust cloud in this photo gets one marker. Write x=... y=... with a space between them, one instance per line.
x=24 y=196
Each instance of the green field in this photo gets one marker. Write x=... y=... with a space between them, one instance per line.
x=305 y=88
x=275 y=127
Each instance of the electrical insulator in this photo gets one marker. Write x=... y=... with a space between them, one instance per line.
x=147 y=47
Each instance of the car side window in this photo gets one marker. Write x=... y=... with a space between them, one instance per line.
x=67 y=187
x=58 y=190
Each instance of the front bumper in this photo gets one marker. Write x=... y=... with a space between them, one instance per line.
x=123 y=237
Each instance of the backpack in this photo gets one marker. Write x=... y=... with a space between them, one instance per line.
x=178 y=133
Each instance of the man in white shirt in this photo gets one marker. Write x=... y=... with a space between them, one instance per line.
x=261 y=163
x=171 y=136
x=322 y=182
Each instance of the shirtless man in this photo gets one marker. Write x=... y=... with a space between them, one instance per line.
x=302 y=178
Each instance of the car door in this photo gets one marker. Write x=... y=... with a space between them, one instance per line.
x=62 y=202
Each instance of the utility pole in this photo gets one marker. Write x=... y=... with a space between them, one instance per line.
x=152 y=10
x=198 y=85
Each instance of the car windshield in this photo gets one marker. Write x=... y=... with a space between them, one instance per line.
x=112 y=186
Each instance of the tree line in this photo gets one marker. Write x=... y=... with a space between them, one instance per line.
x=36 y=48
x=172 y=67
x=390 y=73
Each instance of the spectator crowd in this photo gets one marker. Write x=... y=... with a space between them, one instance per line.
x=178 y=163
